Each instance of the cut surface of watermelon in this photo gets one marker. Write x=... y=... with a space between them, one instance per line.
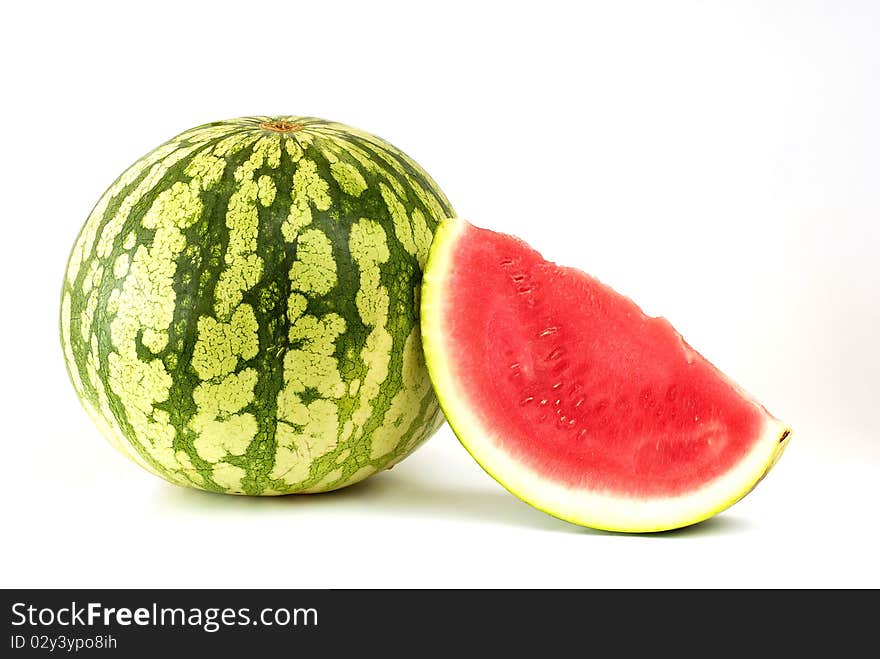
x=574 y=399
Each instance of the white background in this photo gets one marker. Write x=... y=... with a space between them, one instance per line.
x=718 y=162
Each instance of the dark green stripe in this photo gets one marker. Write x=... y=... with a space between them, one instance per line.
x=207 y=233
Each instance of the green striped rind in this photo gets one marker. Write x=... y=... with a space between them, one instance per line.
x=240 y=310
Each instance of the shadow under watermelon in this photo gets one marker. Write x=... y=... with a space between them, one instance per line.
x=403 y=492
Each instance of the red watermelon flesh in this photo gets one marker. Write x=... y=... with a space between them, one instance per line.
x=577 y=401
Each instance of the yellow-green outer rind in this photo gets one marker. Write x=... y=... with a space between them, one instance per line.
x=604 y=511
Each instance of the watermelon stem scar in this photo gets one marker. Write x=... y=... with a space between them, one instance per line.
x=574 y=399
x=281 y=126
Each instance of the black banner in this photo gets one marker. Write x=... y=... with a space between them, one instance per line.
x=223 y=623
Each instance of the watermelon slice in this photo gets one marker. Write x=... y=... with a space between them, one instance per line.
x=576 y=401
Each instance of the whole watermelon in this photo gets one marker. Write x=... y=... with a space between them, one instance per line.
x=240 y=310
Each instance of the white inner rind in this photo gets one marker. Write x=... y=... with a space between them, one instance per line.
x=596 y=509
